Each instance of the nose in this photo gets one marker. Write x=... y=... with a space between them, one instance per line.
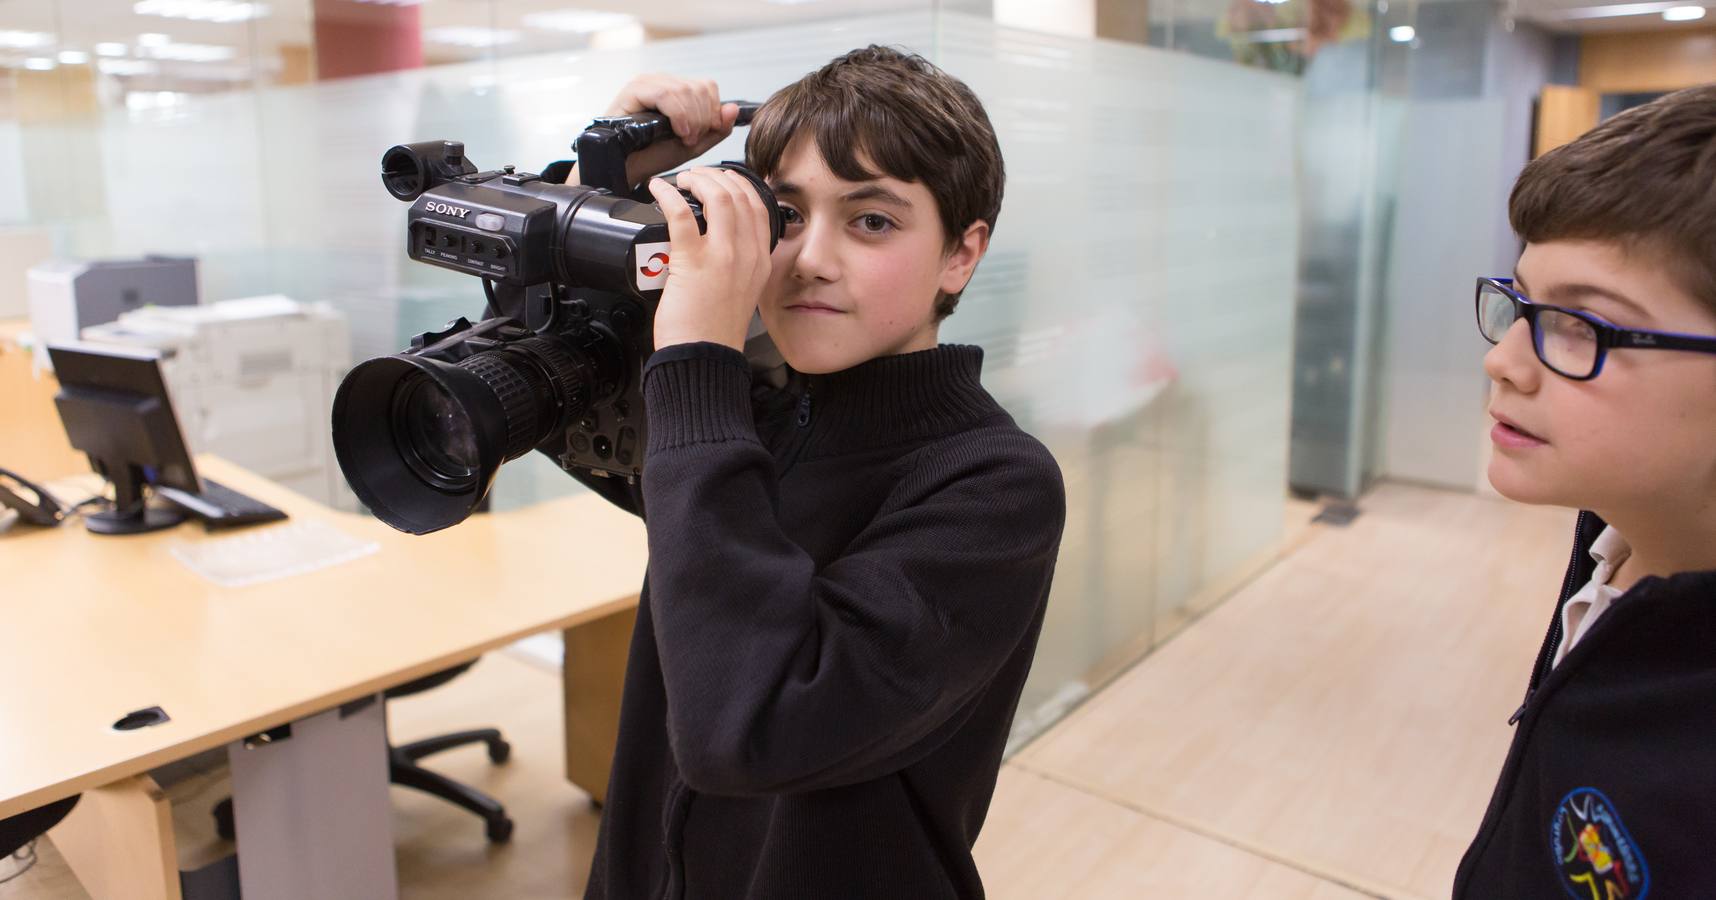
x=818 y=256
x=1512 y=360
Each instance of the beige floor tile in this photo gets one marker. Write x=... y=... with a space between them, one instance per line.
x=1046 y=840
x=1347 y=710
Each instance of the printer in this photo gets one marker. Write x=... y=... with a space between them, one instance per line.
x=253 y=381
x=69 y=295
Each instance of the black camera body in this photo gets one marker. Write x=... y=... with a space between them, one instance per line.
x=572 y=275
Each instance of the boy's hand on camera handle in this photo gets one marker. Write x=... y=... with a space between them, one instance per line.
x=716 y=278
x=700 y=120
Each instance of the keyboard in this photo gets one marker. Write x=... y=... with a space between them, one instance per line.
x=219 y=506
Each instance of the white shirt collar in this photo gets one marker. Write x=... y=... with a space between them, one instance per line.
x=1610 y=550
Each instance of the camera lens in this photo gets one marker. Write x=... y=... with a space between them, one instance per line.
x=420 y=439
x=435 y=436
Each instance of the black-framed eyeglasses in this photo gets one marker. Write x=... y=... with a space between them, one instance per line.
x=1572 y=343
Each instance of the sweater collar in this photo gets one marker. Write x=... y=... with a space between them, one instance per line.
x=895 y=399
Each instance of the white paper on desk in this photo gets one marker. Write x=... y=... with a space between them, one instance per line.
x=268 y=553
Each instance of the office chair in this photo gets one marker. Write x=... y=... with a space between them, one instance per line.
x=403 y=768
x=20 y=829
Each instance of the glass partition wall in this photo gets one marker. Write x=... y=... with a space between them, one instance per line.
x=1137 y=307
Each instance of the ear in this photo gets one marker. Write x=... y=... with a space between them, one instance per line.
x=962 y=259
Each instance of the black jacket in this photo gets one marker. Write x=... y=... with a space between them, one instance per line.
x=846 y=582
x=1609 y=789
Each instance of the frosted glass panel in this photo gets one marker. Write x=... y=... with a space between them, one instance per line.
x=1137 y=308
x=278 y=190
x=1434 y=392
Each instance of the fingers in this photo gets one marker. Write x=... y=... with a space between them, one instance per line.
x=692 y=105
x=681 y=224
x=708 y=102
x=737 y=221
x=709 y=115
x=750 y=220
x=750 y=216
x=757 y=210
x=725 y=116
x=691 y=112
x=716 y=204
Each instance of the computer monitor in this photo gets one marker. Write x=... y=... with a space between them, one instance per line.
x=113 y=401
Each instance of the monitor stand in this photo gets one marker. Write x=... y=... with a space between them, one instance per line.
x=129 y=512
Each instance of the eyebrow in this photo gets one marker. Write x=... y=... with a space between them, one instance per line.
x=1577 y=289
x=1569 y=291
x=877 y=192
x=867 y=192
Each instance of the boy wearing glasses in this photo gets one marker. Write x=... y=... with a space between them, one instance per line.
x=1604 y=396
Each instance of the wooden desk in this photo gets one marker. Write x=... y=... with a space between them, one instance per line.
x=32 y=441
x=95 y=627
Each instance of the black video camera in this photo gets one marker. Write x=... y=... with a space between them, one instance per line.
x=572 y=274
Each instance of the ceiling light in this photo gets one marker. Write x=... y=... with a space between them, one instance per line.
x=216 y=73
x=126 y=67
x=138 y=101
x=578 y=21
x=1684 y=13
x=1269 y=36
x=152 y=39
x=620 y=38
x=470 y=37
x=201 y=10
x=73 y=57
x=190 y=52
x=24 y=40
x=1402 y=34
x=108 y=49
x=1608 y=11
x=39 y=64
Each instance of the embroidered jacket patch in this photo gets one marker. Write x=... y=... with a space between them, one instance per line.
x=1595 y=854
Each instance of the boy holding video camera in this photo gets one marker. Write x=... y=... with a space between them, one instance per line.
x=847 y=573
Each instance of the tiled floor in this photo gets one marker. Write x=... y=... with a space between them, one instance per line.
x=1345 y=713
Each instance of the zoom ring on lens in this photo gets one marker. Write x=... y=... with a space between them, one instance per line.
x=569 y=373
x=517 y=398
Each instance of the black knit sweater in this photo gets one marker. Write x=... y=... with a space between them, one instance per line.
x=1608 y=789
x=846 y=582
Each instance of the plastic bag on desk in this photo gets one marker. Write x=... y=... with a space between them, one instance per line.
x=266 y=554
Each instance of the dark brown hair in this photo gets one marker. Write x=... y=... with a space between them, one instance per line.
x=906 y=117
x=1645 y=179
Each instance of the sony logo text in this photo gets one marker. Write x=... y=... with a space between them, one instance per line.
x=444 y=209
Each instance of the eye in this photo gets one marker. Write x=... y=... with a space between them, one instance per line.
x=874 y=223
x=790 y=216
x=1567 y=327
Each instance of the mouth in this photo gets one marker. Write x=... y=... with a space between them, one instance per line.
x=1509 y=434
x=813 y=308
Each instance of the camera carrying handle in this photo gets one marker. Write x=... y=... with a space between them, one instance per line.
x=603 y=147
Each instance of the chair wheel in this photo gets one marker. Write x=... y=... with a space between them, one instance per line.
x=499 y=752
x=499 y=830
x=223 y=821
